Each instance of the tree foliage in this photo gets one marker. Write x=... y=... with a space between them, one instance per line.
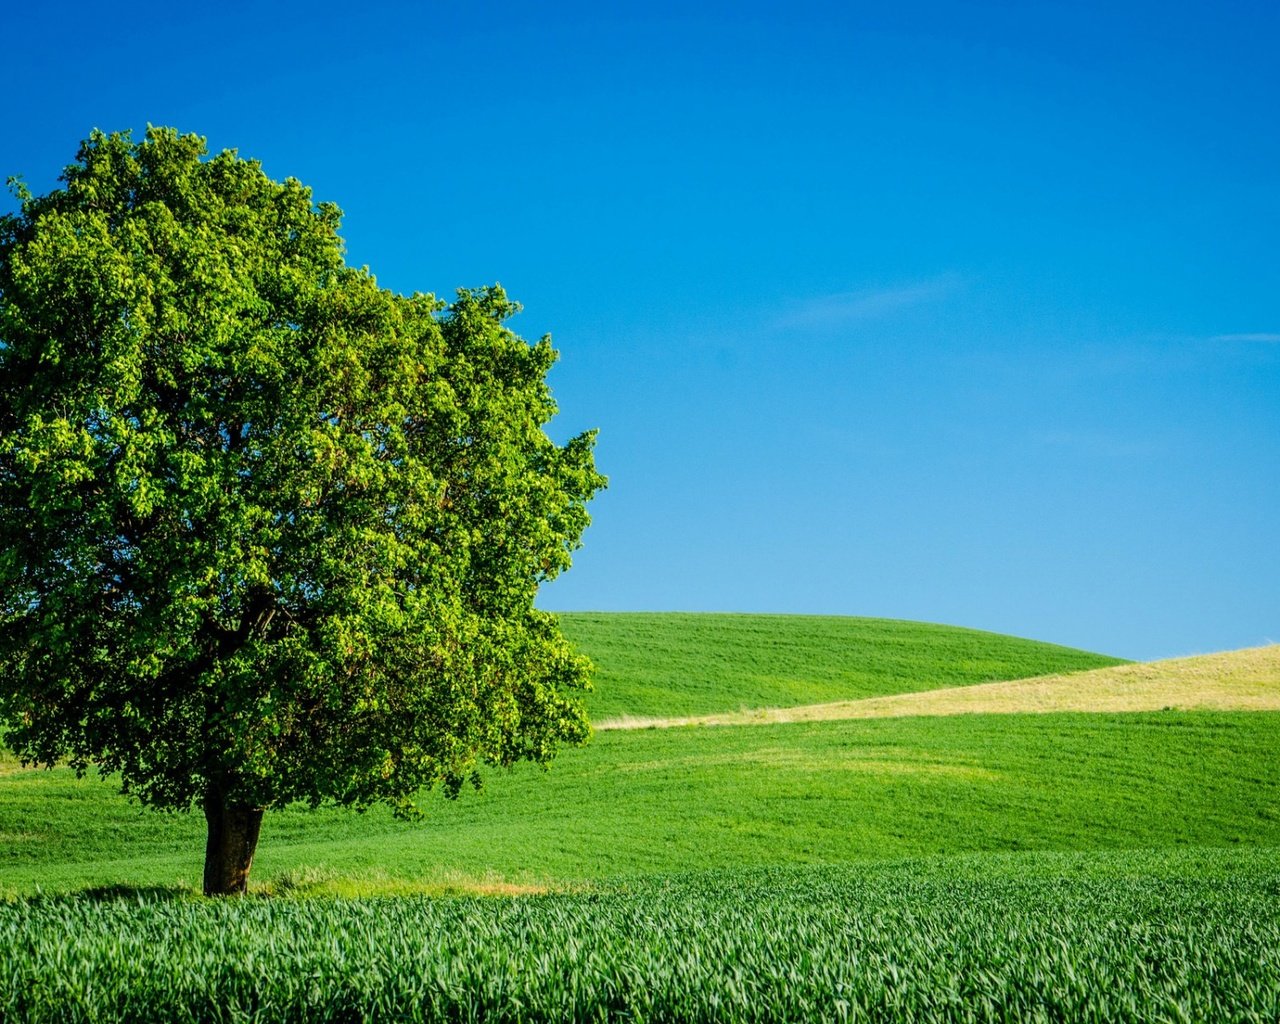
x=268 y=532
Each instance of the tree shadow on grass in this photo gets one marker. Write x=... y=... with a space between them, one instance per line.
x=133 y=893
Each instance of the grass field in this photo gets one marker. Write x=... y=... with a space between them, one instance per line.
x=985 y=865
x=1247 y=680
x=678 y=800
x=693 y=664
x=1140 y=936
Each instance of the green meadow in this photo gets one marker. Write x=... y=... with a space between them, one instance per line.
x=649 y=800
x=1055 y=866
x=693 y=664
x=693 y=799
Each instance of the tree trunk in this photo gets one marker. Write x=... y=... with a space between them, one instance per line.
x=228 y=853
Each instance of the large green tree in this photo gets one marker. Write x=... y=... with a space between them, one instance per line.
x=268 y=532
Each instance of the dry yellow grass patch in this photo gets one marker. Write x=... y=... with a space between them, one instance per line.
x=1247 y=680
x=877 y=762
x=9 y=764
x=322 y=881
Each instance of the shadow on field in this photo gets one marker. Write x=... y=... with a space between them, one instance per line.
x=134 y=893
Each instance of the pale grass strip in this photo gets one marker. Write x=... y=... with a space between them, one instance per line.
x=1247 y=680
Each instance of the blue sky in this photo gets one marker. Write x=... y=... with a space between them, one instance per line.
x=960 y=312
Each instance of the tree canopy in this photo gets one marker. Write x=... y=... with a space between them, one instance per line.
x=268 y=531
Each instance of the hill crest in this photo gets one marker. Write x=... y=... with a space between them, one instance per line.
x=1244 y=680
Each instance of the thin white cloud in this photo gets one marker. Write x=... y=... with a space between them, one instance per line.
x=844 y=309
x=1267 y=337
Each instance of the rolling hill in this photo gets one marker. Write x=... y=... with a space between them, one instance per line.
x=1246 y=680
x=695 y=664
x=834 y=791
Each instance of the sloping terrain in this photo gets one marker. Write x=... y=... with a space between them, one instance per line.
x=671 y=800
x=663 y=664
x=1247 y=680
x=655 y=801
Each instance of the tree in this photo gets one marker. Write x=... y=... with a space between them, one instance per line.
x=268 y=532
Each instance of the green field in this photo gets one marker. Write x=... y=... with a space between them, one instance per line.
x=645 y=801
x=694 y=664
x=684 y=799
x=1057 y=866
x=1142 y=936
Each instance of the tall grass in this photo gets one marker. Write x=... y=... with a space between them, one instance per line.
x=1155 y=937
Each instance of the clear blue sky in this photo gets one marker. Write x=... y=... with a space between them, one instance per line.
x=961 y=312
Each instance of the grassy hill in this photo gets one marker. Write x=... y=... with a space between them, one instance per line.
x=650 y=664
x=949 y=858
x=674 y=800
x=654 y=801
x=1247 y=680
